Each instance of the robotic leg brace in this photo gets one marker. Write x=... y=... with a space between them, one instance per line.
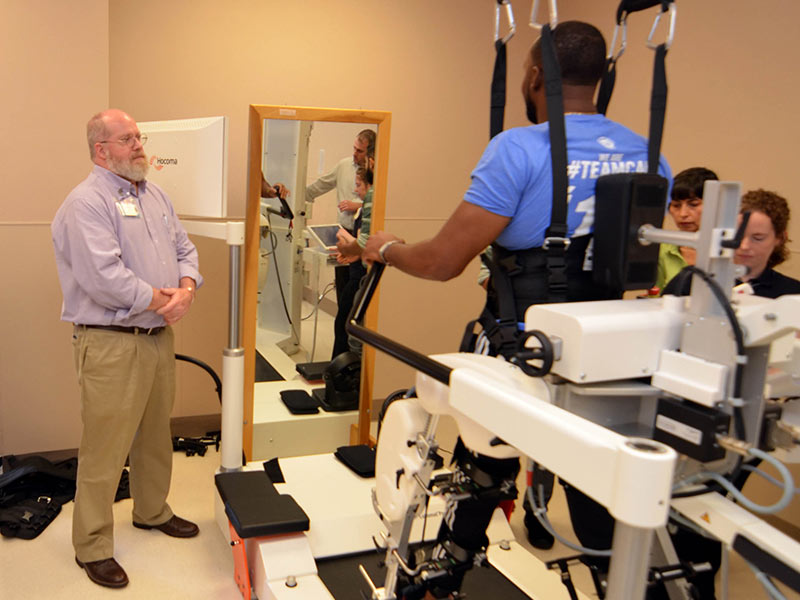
x=502 y=414
x=478 y=484
x=483 y=474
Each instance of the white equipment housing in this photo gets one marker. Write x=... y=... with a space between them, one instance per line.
x=189 y=160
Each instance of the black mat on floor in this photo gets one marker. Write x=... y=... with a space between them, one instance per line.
x=265 y=371
x=312 y=371
x=343 y=579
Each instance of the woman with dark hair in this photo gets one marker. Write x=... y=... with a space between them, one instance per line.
x=764 y=244
x=686 y=209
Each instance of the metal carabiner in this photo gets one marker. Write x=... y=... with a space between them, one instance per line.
x=670 y=33
x=512 y=26
x=553 y=15
x=622 y=26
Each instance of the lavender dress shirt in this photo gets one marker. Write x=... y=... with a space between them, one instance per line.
x=113 y=245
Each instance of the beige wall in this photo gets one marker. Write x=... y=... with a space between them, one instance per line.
x=55 y=74
x=427 y=62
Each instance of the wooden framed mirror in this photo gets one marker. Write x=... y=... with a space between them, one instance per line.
x=293 y=164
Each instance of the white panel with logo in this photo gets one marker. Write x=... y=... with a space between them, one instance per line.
x=188 y=159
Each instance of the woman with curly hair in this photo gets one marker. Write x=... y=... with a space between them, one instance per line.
x=764 y=244
x=763 y=247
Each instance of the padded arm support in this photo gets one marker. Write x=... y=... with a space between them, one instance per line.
x=254 y=506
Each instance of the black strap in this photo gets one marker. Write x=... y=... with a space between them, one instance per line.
x=558 y=136
x=607 y=85
x=566 y=578
x=658 y=107
x=556 y=235
x=18 y=468
x=608 y=80
x=498 y=97
x=627 y=7
x=501 y=272
x=501 y=328
x=28 y=518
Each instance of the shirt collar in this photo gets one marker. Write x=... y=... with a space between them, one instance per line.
x=766 y=279
x=120 y=184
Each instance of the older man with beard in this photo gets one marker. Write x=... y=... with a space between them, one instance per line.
x=128 y=271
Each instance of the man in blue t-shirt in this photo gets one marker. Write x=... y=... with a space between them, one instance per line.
x=508 y=205
x=509 y=200
x=513 y=178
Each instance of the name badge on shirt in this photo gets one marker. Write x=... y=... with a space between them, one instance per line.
x=127 y=208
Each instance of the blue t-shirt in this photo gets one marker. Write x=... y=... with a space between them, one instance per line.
x=514 y=179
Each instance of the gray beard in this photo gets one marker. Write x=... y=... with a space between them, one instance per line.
x=128 y=169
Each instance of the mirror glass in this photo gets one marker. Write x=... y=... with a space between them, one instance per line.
x=291 y=297
x=297 y=293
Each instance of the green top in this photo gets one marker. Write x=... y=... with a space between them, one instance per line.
x=670 y=263
x=366 y=220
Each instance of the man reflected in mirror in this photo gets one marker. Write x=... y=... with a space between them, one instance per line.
x=342 y=178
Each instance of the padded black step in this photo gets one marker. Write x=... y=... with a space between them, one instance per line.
x=254 y=506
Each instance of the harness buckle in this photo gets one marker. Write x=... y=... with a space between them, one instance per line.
x=503 y=336
x=565 y=242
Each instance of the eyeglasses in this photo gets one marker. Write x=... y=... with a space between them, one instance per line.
x=128 y=140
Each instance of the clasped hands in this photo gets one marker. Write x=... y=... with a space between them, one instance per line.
x=172 y=303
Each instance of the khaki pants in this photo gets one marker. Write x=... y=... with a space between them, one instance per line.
x=127 y=386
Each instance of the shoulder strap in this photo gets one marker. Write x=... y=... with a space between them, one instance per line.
x=498 y=98
x=556 y=240
x=625 y=8
x=607 y=84
x=658 y=108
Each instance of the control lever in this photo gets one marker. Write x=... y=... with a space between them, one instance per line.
x=284 y=212
x=737 y=239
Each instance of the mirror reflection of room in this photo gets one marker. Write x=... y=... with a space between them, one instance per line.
x=350 y=246
x=308 y=195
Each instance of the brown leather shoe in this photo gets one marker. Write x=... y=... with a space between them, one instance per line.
x=176 y=527
x=105 y=572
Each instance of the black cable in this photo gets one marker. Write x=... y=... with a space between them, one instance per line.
x=206 y=368
x=738 y=337
x=328 y=289
x=394 y=396
x=273 y=239
x=706 y=488
x=425 y=516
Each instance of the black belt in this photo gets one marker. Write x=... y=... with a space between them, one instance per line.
x=133 y=330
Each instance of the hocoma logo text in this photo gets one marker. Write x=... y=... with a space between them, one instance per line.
x=159 y=163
